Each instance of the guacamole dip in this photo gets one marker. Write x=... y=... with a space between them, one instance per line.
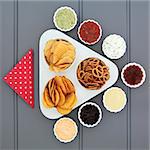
x=65 y=18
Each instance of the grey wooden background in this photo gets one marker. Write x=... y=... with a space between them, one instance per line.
x=21 y=24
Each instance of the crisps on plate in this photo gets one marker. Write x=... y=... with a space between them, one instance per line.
x=60 y=93
x=59 y=54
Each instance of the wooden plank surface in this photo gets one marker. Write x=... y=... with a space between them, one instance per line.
x=140 y=52
x=22 y=23
x=111 y=133
x=7 y=112
x=34 y=130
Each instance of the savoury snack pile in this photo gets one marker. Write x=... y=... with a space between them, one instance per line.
x=92 y=73
x=60 y=93
x=59 y=54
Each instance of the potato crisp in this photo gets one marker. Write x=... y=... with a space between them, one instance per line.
x=60 y=93
x=59 y=54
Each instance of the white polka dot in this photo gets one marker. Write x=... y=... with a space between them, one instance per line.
x=29 y=52
x=25 y=72
x=29 y=72
x=20 y=82
x=20 y=77
x=25 y=82
x=20 y=72
x=25 y=92
x=10 y=73
x=24 y=57
x=25 y=87
x=29 y=57
x=15 y=77
x=15 y=82
x=30 y=97
x=30 y=102
x=15 y=67
x=25 y=97
x=5 y=78
x=25 y=67
x=10 y=77
x=20 y=92
x=10 y=82
x=30 y=92
x=30 y=82
x=20 y=67
x=20 y=87
x=15 y=72
x=15 y=87
x=25 y=77
x=29 y=62
x=30 y=87
x=25 y=62
x=30 y=77
x=29 y=67
x=19 y=62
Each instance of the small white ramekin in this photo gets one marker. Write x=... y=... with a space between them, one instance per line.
x=136 y=85
x=54 y=18
x=118 y=110
x=99 y=28
x=61 y=140
x=99 y=119
x=108 y=51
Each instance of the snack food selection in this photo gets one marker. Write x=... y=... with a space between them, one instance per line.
x=65 y=18
x=92 y=73
x=81 y=53
x=133 y=75
x=114 y=46
x=90 y=32
x=114 y=99
x=60 y=93
x=65 y=130
x=89 y=114
x=59 y=54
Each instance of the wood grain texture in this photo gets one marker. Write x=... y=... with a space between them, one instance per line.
x=7 y=111
x=140 y=51
x=34 y=130
x=111 y=133
x=22 y=23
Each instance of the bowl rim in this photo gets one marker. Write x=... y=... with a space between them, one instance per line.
x=112 y=57
x=54 y=18
x=143 y=78
x=125 y=102
x=76 y=129
x=100 y=115
x=100 y=28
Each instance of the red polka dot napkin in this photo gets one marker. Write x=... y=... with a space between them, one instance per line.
x=20 y=78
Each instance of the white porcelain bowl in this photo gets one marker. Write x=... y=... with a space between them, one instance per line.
x=136 y=85
x=92 y=43
x=114 y=46
x=76 y=130
x=99 y=119
x=123 y=95
x=54 y=18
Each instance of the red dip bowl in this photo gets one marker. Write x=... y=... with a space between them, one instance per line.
x=133 y=75
x=90 y=32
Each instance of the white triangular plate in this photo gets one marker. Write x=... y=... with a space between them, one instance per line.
x=82 y=52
